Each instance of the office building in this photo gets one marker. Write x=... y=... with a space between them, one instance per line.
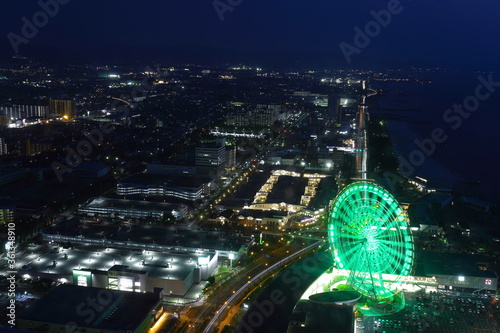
x=181 y=187
x=238 y=119
x=264 y=115
x=212 y=155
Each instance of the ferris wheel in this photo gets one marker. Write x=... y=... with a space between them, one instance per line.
x=371 y=238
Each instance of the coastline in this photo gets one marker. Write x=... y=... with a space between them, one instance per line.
x=468 y=158
x=402 y=139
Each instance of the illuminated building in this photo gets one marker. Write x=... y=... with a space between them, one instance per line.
x=287 y=191
x=122 y=269
x=240 y=119
x=210 y=159
x=6 y=215
x=17 y=112
x=263 y=118
x=213 y=155
x=63 y=108
x=251 y=217
x=230 y=156
x=131 y=208
x=182 y=187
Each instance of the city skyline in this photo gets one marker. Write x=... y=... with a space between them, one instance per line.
x=239 y=166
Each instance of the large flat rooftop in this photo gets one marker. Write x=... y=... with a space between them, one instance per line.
x=441 y=263
x=124 y=311
x=172 y=265
x=145 y=234
x=288 y=189
x=147 y=179
x=130 y=204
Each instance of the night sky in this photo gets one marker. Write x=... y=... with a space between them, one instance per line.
x=445 y=32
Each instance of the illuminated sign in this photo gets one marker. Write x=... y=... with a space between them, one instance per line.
x=126 y=283
x=488 y=282
x=82 y=278
x=82 y=281
x=203 y=260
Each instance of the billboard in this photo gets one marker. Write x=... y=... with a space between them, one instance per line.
x=82 y=278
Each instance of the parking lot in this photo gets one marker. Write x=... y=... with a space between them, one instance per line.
x=440 y=313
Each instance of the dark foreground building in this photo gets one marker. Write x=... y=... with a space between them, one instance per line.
x=332 y=312
x=71 y=308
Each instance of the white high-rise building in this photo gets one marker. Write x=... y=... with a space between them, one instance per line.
x=213 y=155
x=17 y=112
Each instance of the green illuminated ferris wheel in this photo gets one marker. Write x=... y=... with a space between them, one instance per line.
x=371 y=239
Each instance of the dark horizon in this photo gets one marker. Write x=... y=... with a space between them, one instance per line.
x=427 y=33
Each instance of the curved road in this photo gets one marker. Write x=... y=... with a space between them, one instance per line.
x=218 y=302
x=243 y=288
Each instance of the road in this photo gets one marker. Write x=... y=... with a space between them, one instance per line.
x=241 y=291
x=217 y=303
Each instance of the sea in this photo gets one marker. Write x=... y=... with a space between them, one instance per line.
x=469 y=157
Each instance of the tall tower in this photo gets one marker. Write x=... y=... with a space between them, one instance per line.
x=362 y=111
x=361 y=143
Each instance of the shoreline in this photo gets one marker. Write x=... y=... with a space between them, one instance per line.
x=402 y=137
